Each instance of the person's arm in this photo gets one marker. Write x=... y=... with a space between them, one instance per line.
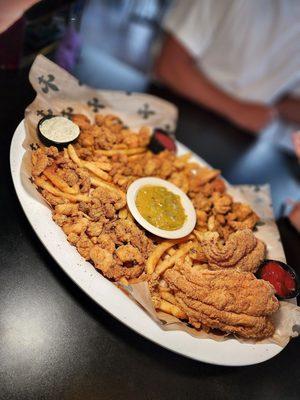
x=289 y=109
x=294 y=216
x=11 y=11
x=177 y=69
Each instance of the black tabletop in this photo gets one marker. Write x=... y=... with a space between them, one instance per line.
x=56 y=343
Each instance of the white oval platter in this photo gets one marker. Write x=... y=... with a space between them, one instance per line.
x=230 y=352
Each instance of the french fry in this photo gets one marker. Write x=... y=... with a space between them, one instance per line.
x=103 y=165
x=171 y=251
x=67 y=209
x=163 y=288
x=124 y=281
x=66 y=154
x=72 y=197
x=192 y=236
x=95 y=181
x=194 y=166
x=165 y=295
x=97 y=171
x=181 y=161
x=170 y=308
x=123 y=213
x=168 y=263
x=185 y=157
x=128 y=152
x=74 y=157
x=122 y=181
x=141 y=278
x=136 y=156
x=59 y=183
x=120 y=146
x=91 y=166
x=198 y=235
x=157 y=254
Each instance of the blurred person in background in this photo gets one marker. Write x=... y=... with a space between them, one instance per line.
x=239 y=58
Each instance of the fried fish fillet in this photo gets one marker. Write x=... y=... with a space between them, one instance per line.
x=232 y=301
x=242 y=250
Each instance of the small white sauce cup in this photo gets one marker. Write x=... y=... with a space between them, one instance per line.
x=190 y=212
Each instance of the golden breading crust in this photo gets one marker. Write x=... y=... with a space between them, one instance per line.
x=242 y=250
x=231 y=301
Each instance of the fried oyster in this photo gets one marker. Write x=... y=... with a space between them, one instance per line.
x=231 y=301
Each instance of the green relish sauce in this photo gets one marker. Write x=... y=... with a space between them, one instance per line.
x=160 y=207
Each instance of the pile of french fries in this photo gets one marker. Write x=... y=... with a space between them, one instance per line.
x=96 y=170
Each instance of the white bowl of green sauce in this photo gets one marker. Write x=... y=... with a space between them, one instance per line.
x=161 y=208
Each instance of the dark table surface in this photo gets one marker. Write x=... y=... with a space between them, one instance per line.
x=56 y=343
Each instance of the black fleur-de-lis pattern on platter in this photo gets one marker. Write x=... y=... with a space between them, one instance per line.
x=95 y=104
x=43 y=113
x=68 y=112
x=145 y=111
x=34 y=146
x=48 y=83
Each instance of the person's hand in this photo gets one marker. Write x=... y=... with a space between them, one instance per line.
x=252 y=116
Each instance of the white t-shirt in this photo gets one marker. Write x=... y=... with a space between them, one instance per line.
x=249 y=48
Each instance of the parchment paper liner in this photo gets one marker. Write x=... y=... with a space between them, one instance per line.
x=59 y=93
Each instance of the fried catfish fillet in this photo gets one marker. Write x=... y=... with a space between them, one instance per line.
x=241 y=251
x=234 y=302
